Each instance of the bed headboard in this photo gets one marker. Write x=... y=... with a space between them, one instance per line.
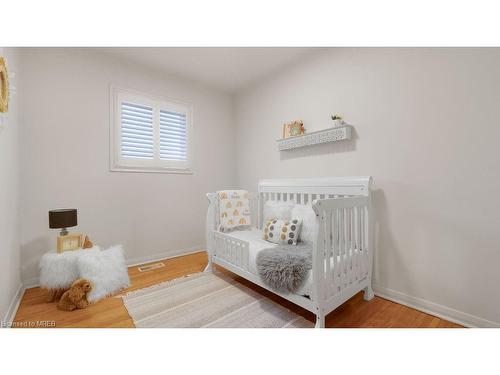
x=301 y=190
x=306 y=190
x=318 y=186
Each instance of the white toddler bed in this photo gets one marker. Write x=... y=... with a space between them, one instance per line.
x=342 y=239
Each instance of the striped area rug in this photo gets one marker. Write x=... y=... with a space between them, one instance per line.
x=207 y=300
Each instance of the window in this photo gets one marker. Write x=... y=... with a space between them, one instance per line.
x=149 y=134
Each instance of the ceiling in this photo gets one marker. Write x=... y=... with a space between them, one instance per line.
x=225 y=68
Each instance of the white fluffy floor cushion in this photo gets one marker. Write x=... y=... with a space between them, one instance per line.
x=106 y=270
x=58 y=271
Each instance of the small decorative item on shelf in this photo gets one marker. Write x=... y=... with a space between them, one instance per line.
x=337 y=121
x=4 y=86
x=293 y=129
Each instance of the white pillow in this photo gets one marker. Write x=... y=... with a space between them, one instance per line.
x=306 y=214
x=278 y=210
x=106 y=270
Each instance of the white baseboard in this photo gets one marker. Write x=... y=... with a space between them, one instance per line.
x=35 y=281
x=31 y=283
x=166 y=255
x=435 y=309
x=14 y=305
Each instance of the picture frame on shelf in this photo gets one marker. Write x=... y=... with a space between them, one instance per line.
x=293 y=129
x=4 y=86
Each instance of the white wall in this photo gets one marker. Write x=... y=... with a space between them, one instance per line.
x=10 y=280
x=427 y=130
x=65 y=157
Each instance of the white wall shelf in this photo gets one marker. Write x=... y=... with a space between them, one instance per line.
x=321 y=136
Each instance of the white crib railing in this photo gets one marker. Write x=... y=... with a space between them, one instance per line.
x=231 y=250
x=296 y=197
x=222 y=246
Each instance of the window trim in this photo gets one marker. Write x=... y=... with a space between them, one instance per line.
x=156 y=165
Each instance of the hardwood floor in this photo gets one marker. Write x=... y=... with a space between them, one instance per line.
x=111 y=312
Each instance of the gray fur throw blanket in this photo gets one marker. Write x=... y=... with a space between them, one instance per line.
x=284 y=268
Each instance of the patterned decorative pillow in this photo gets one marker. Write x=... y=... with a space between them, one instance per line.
x=282 y=231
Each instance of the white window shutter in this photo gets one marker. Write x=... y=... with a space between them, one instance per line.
x=136 y=131
x=173 y=135
x=149 y=134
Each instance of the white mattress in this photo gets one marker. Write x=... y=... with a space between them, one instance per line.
x=256 y=244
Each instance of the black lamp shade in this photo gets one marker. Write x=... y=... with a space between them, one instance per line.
x=64 y=218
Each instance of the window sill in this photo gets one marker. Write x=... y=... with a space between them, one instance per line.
x=152 y=170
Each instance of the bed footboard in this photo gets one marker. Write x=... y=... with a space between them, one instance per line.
x=221 y=246
x=342 y=254
x=231 y=250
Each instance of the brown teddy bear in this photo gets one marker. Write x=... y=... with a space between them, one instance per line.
x=87 y=243
x=76 y=296
x=54 y=295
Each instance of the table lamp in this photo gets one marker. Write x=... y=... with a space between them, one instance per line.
x=63 y=219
